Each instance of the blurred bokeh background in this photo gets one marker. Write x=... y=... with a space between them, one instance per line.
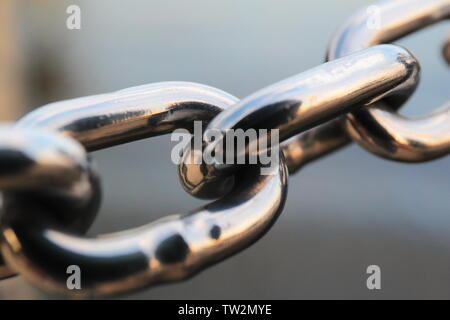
x=343 y=213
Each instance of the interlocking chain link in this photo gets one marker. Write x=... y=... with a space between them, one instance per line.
x=304 y=101
x=51 y=193
x=170 y=249
x=379 y=128
x=43 y=167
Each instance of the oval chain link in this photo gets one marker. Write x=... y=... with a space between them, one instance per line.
x=169 y=249
x=302 y=102
x=378 y=128
x=41 y=167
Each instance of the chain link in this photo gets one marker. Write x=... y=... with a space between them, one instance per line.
x=304 y=101
x=51 y=193
x=378 y=128
x=170 y=249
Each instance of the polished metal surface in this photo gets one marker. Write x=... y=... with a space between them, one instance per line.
x=110 y=119
x=170 y=249
x=34 y=159
x=313 y=144
x=36 y=164
x=379 y=128
x=304 y=101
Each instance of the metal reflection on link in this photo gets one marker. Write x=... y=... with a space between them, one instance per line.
x=36 y=164
x=302 y=102
x=170 y=249
x=110 y=119
x=379 y=128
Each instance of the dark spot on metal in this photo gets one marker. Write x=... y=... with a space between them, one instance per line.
x=172 y=250
x=215 y=232
x=14 y=161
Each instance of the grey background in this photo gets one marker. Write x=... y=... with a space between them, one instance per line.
x=343 y=212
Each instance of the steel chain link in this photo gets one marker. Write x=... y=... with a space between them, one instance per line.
x=51 y=193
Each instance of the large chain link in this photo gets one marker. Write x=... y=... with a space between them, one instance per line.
x=304 y=101
x=379 y=129
x=51 y=193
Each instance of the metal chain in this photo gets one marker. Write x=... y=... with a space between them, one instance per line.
x=51 y=193
x=304 y=101
x=170 y=249
x=379 y=129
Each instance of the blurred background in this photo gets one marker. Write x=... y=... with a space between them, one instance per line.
x=343 y=213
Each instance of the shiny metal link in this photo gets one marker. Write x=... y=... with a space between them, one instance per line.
x=303 y=101
x=38 y=166
x=313 y=144
x=332 y=135
x=35 y=159
x=379 y=128
x=137 y=113
x=106 y=120
x=168 y=249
